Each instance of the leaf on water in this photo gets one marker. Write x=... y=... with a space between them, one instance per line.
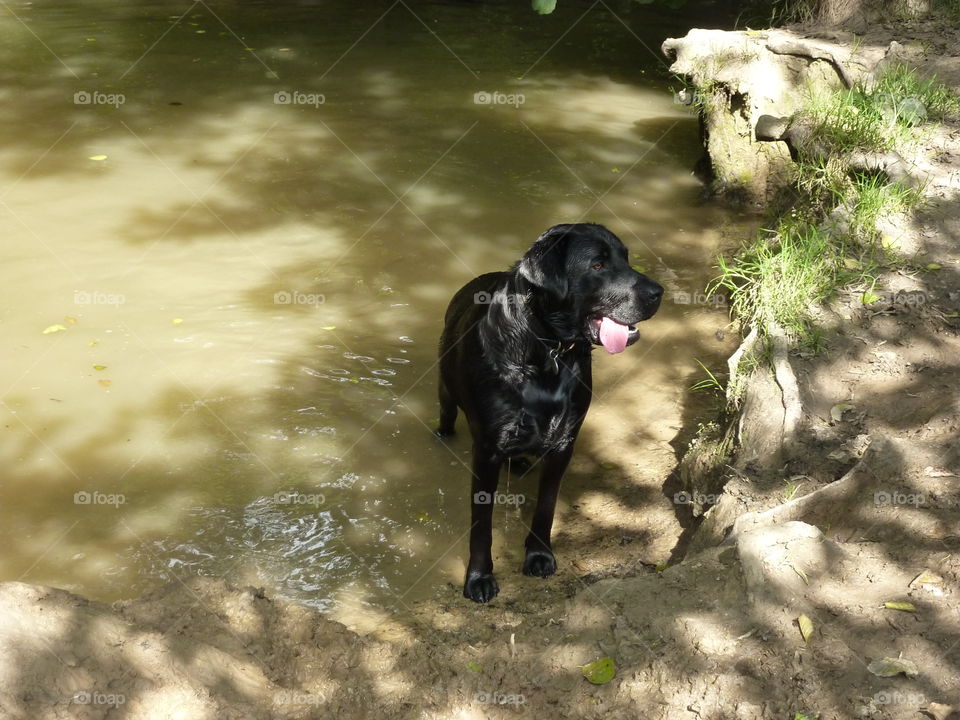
x=200 y=32
x=177 y=321
x=544 y=7
x=615 y=170
x=806 y=627
x=54 y=329
x=888 y=667
x=600 y=671
x=70 y=320
x=905 y=606
x=105 y=383
x=99 y=367
x=836 y=412
x=474 y=666
x=329 y=327
x=98 y=158
x=423 y=518
x=93 y=343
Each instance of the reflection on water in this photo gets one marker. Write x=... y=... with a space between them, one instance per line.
x=222 y=304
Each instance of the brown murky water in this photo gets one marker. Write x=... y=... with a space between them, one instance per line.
x=228 y=234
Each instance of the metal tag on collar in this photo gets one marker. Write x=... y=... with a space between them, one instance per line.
x=553 y=363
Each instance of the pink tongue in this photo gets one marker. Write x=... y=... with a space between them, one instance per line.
x=613 y=335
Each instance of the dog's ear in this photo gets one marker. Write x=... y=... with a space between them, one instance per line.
x=545 y=263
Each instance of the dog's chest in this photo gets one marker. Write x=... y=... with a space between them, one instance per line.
x=547 y=412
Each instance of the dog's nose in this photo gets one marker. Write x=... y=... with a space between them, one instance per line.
x=649 y=291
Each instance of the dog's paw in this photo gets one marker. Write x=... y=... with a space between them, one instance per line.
x=539 y=563
x=480 y=587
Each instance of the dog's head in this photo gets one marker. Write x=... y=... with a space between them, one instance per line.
x=584 y=271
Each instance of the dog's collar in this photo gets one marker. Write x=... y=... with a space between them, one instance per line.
x=555 y=353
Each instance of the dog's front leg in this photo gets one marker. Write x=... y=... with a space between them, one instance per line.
x=480 y=584
x=539 y=560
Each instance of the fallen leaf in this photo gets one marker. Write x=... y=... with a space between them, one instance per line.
x=931 y=471
x=329 y=327
x=177 y=321
x=806 y=627
x=105 y=383
x=93 y=343
x=54 y=329
x=889 y=667
x=99 y=367
x=933 y=266
x=475 y=666
x=869 y=298
x=905 y=606
x=939 y=711
x=70 y=320
x=928 y=581
x=851 y=264
x=800 y=572
x=544 y=7
x=836 y=412
x=98 y=158
x=600 y=671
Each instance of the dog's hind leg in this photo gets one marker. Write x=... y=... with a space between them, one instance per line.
x=539 y=560
x=448 y=411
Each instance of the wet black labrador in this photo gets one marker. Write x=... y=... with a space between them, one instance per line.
x=515 y=357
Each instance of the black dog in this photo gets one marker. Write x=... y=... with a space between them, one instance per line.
x=515 y=357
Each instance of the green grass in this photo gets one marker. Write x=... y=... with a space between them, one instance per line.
x=876 y=198
x=832 y=240
x=709 y=383
x=781 y=276
x=880 y=117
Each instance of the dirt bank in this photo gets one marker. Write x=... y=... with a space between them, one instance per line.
x=864 y=512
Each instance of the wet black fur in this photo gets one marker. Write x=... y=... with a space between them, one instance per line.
x=515 y=357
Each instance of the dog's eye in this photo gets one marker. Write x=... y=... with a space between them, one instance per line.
x=598 y=266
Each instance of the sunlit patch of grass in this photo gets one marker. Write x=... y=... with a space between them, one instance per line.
x=780 y=277
x=879 y=117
